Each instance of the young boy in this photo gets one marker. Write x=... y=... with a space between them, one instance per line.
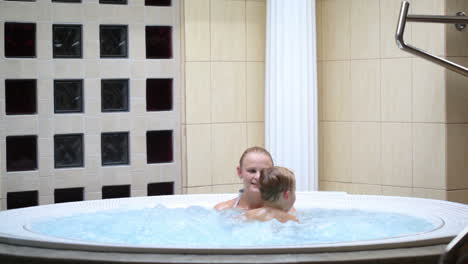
x=277 y=189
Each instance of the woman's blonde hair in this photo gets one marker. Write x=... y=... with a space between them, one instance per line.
x=274 y=181
x=255 y=149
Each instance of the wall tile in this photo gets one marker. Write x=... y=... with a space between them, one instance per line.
x=255 y=30
x=458 y=196
x=430 y=193
x=198 y=190
x=67 y=178
x=396 y=90
x=457 y=153
x=365 y=86
x=197 y=30
x=65 y=124
x=256 y=134
x=365 y=29
x=67 y=13
x=389 y=12
x=21 y=125
x=22 y=181
x=429 y=37
x=366 y=153
x=456 y=41
x=228 y=86
x=397 y=158
x=428 y=93
x=14 y=11
x=43 y=40
x=199 y=147
x=198 y=92
x=137 y=42
x=336 y=29
x=319 y=28
x=337 y=151
x=255 y=82
x=229 y=142
x=336 y=91
x=228 y=33
x=397 y=191
x=429 y=156
x=116 y=175
x=231 y=188
x=334 y=186
x=365 y=189
x=457 y=94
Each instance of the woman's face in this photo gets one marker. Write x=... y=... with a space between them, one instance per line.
x=252 y=164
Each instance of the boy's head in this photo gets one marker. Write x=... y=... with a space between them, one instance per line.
x=277 y=184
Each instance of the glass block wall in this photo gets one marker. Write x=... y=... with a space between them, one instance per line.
x=89 y=100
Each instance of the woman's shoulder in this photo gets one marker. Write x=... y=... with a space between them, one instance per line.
x=226 y=204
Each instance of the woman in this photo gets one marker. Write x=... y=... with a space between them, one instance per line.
x=252 y=161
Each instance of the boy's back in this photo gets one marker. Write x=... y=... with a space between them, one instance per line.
x=268 y=213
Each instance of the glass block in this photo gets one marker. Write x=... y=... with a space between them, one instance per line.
x=115 y=191
x=22 y=199
x=20 y=40
x=21 y=153
x=68 y=96
x=68 y=195
x=67 y=41
x=160 y=188
x=113 y=41
x=115 y=2
x=159 y=94
x=158 y=42
x=68 y=150
x=114 y=95
x=114 y=148
x=157 y=2
x=20 y=97
x=159 y=146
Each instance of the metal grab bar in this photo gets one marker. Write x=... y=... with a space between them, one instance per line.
x=421 y=53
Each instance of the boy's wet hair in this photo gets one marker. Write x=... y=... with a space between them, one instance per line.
x=274 y=181
x=255 y=149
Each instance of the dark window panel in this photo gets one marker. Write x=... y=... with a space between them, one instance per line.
x=22 y=199
x=67 y=41
x=159 y=146
x=115 y=191
x=115 y=2
x=113 y=41
x=158 y=42
x=68 y=195
x=159 y=94
x=114 y=148
x=21 y=153
x=157 y=2
x=20 y=97
x=68 y=151
x=20 y=40
x=114 y=95
x=160 y=188
x=68 y=96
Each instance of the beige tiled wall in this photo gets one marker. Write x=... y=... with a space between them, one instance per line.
x=224 y=89
x=91 y=69
x=390 y=123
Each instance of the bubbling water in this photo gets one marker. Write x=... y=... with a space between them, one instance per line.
x=198 y=227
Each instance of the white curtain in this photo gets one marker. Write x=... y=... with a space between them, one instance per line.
x=291 y=119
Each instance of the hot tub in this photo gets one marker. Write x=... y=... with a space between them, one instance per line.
x=20 y=244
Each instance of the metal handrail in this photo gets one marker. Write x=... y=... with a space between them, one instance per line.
x=421 y=53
